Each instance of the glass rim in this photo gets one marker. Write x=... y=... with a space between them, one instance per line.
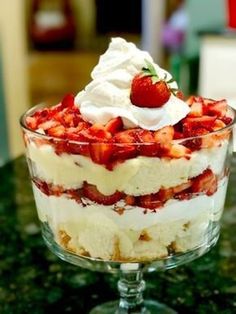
x=30 y=111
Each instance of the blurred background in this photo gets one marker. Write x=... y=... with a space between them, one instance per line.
x=49 y=47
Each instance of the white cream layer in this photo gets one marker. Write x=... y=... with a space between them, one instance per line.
x=137 y=176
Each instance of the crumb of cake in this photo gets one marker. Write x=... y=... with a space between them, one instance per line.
x=186 y=226
x=144 y=236
x=116 y=256
x=119 y=210
x=64 y=240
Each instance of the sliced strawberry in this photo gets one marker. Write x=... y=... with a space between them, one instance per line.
x=178 y=131
x=57 y=131
x=124 y=144
x=71 y=120
x=207 y=101
x=58 y=116
x=31 y=123
x=42 y=186
x=165 y=194
x=60 y=147
x=182 y=187
x=227 y=120
x=75 y=194
x=73 y=145
x=47 y=125
x=130 y=200
x=183 y=196
x=205 y=183
x=76 y=130
x=124 y=151
x=164 y=135
x=91 y=192
x=37 y=118
x=147 y=145
x=150 y=201
x=42 y=115
x=215 y=108
x=178 y=135
x=56 y=190
x=101 y=152
x=73 y=133
x=196 y=109
x=196 y=142
x=98 y=133
x=48 y=188
x=67 y=101
x=190 y=100
x=94 y=134
x=78 y=149
x=114 y=125
x=218 y=125
x=192 y=123
x=149 y=149
x=71 y=117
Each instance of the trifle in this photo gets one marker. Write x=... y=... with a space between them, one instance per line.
x=128 y=170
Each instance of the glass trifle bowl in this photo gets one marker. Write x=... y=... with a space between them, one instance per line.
x=128 y=201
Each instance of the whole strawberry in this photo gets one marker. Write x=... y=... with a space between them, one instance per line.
x=148 y=89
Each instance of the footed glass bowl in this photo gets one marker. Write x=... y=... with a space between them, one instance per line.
x=129 y=206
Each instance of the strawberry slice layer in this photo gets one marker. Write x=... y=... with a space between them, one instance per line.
x=150 y=201
x=216 y=108
x=101 y=152
x=91 y=192
x=111 y=144
x=205 y=183
x=114 y=125
x=125 y=145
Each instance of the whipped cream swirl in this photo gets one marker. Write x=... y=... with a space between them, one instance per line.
x=108 y=95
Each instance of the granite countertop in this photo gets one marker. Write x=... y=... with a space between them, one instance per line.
x=33 y=280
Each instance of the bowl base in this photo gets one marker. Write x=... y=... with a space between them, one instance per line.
x=150 y=307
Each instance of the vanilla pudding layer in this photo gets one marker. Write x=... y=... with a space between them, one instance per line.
x=136 y=176
x=100 y=231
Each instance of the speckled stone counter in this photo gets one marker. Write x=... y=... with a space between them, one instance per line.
x=33 y=280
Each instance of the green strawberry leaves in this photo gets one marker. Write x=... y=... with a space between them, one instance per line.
x=150 y=70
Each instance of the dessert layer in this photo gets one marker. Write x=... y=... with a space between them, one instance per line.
x=59 y=210
x=100 y=232
x=70 y=171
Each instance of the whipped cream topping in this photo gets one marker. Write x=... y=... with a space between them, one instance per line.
x=108 y=95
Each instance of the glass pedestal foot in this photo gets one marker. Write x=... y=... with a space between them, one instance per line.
x=150 y=307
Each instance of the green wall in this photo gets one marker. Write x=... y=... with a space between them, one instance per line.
x=203 y=15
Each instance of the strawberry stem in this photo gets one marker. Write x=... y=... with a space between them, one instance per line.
x=150 y=70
